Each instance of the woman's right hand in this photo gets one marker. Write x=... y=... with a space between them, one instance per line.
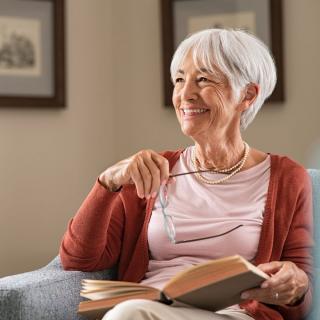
x=146 y=169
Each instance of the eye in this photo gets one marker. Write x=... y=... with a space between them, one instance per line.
x=177 y=80
x=203 y=79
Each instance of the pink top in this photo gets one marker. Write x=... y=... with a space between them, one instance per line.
x=201 y=210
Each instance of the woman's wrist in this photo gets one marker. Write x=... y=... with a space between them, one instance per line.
x=108 y=183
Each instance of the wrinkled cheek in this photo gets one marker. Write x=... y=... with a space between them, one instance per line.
x=221 y=99
x=220 y=107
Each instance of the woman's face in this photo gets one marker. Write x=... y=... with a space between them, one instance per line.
x=203 y=102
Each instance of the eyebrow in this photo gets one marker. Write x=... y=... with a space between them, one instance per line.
x=204 y=70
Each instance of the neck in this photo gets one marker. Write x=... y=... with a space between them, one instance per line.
x=220 y=154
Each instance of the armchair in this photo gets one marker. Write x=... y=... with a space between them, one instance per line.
x=51 y=293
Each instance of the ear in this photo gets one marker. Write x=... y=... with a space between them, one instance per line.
x=250 y=93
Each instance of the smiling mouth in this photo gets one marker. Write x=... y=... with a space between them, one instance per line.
x=192 y=112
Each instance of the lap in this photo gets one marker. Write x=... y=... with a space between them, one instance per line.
x=140 y=309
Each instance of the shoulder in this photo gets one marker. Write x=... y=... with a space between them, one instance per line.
x=289 y=172
x=287 y=166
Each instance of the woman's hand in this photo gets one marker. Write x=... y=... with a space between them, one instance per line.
x=146 y=169
x=287 y=284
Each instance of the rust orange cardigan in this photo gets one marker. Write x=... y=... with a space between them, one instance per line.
x=111 y=228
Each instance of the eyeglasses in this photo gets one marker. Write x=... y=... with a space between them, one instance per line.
x=168 y=220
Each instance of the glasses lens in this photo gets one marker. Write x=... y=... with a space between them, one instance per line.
x=169 y=226
x=163 y=196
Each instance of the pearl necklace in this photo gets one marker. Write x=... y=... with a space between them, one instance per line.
x=233 y=170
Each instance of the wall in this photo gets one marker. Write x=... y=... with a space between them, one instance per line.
x=50 y=158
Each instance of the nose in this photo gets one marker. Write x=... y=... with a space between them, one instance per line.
x=189 y=91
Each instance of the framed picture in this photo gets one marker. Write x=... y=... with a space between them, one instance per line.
x=32 y=53
x=182 y=17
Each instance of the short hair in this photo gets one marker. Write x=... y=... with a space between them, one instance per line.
x=240 y=56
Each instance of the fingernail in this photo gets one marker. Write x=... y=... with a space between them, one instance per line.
x=264 y=285
x=148 y=196
x=164 y=182
x=244 y=295
x=154 y=194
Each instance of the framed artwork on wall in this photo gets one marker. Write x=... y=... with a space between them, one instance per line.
x=32 y=53
x=183 y=17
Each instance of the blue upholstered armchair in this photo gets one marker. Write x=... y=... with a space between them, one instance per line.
x=51 y=293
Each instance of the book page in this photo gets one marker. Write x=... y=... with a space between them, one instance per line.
x=105 y=293
x=110 y=283
x=104 y=289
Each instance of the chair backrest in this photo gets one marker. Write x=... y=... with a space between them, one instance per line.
x=315 y=175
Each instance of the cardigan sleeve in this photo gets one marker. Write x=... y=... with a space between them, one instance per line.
x=299 y=243
x=93 y=238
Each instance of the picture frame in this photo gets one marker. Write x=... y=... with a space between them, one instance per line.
x=32 y=53
x=181 y=17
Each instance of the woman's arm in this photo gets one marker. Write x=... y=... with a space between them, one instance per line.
x=93 y=237
x=290 y=287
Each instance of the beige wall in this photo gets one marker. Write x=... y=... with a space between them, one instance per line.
x=50 y=158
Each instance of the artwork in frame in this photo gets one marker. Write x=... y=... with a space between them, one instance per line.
x=183 y=17
x=32 y=53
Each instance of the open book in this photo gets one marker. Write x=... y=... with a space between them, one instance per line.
x=212 y=285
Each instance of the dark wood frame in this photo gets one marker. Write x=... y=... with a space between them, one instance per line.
x=167 y=19
x=59 y=97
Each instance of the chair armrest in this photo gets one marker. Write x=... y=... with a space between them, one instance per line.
x=47 y=293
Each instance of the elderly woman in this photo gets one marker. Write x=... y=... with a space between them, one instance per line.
x=235 y=199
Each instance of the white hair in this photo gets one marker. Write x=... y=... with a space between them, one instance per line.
x=240 y=56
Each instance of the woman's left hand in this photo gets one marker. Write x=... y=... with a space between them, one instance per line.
x=287 y=284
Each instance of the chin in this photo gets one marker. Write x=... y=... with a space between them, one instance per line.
x=188 y=131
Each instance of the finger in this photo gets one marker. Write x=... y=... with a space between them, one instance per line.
x=163 y=165
x=146 y=176
x=172 y=180
x=257 y=294
x=266 y=296
x=289 y=290
x=155 y=176
x=281 y=297
x=270 y=267
x=282 y=276
x=286 y=289
x=277 y=280
x=137 y=179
